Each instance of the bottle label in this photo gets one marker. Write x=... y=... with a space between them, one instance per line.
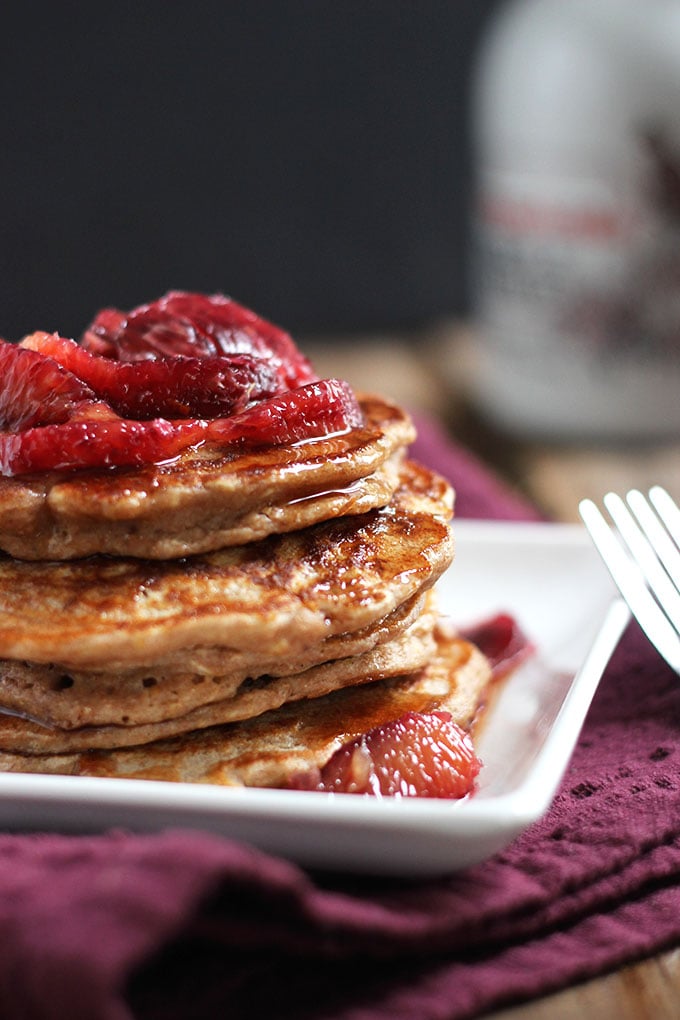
x=576 y=283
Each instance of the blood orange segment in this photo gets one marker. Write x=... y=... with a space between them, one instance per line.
x=418 y=755
x=180 y=371
x=106 y=324
x=321 y=408
x=502 y=641
x=169 y=387
x=97 y=437
x=96 y=442
x=35 y=390
x=195 y=325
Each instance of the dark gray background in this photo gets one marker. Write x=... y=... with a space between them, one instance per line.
x=309 y=158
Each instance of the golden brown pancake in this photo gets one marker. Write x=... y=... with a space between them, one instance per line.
x=76 y=699
x=206 y=498
x=284 y=593
x=408 y=651
x=268 y=750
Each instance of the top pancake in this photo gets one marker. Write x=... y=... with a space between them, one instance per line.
x=207 y=498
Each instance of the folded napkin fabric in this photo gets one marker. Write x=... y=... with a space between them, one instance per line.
x=182 y=924
x=480 y=493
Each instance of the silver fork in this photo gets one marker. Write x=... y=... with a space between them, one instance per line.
x=641 y=549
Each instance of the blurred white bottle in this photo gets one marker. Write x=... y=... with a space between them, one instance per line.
x=576 y=260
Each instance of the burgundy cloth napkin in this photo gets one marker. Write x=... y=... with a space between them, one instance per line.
x=185 y=925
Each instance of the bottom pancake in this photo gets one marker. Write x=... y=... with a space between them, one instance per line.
x=267 y=751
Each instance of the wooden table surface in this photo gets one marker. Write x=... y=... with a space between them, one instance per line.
x=416 y=371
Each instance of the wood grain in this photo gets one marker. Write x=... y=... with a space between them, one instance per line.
x=647 y=991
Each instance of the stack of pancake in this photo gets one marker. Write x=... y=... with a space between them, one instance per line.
x=229 y=617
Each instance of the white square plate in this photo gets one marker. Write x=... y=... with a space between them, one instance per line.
x=550 y=579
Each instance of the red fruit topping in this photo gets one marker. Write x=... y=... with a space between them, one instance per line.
x=418 y=755
x=195 y=325
x=308 y=412
x=96 y=440
x=181 y=371
x=106 y=324
x=175 y=387
x=35 y=390
x=502 y=642
x=96 y=437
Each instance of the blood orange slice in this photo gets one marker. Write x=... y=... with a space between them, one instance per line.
x=35 y=390
x=195 y=325
x=169 y=387
x=418 y=755
x=321 y=408
x=97 y=437
x=502 y=641
x=96 y=442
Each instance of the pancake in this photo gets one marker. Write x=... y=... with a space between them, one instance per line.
x=408 y=651
x=46 y=694
x=284 y=594
x=267 y=751
x=207 y=498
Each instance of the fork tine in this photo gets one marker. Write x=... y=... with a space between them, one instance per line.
x=631 y=582
x=645 y=556
x=659 y=537
x=667 y=510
